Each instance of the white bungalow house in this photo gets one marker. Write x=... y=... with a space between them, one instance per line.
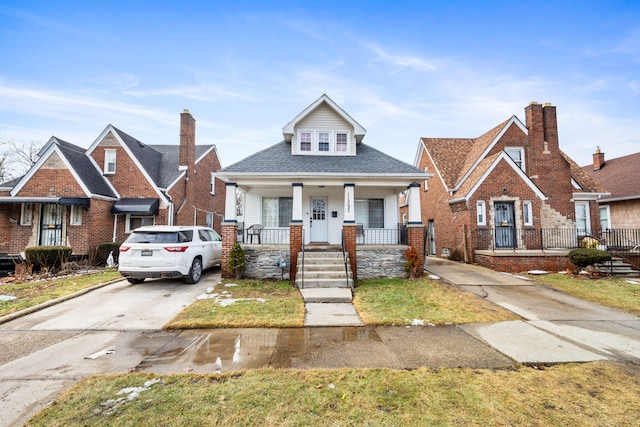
x=323 y=186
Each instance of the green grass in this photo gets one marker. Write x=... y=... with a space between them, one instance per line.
x=587 y=394
x=610 y=292
x=400 y=301
x=33 y=293
x=281 y=306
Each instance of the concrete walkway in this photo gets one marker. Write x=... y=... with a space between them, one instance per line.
x=329 y=307
x=555 y=328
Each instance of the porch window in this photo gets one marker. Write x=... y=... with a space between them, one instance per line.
x=109 y=161
x=305 y=141
x=481 y=212
x=135 y=221
x=370 y=213
x=517 y=155
x=26 y=213
x=527 y=213
x=341 y=142
x=583 y=220
x=605 y=222
x=323 y=141
x=276 y=211
x=76 y=215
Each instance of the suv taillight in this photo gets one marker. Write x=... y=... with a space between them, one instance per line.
x=124 y=248
x=176 y=248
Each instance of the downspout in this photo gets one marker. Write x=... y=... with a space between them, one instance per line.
x=115 y=228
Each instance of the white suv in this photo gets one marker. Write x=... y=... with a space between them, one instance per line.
x=169 y=251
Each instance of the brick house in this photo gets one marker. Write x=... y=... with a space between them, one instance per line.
x=83 y=197
x=321 y=186
x=621 y=178
x=509 y=199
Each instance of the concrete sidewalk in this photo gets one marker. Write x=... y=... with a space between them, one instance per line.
x=555 y=328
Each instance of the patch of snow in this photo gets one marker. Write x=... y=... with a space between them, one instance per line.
x=584 y=272
x=537 y=272
x=7 y=298
x=434 y=277
x=100 y=353
x=417 y=322
x=206 y=296
x=230 y=285
x=210 y=289
x=633 y=282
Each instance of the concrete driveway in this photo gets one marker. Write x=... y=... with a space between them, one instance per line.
x=555 y=328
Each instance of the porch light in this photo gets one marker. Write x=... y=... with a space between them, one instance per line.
x=504 y=191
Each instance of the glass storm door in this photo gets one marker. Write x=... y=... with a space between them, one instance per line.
x=51 y=225
x=505 y=224
x=318 y=221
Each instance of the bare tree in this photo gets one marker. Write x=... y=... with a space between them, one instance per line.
x=17 y=158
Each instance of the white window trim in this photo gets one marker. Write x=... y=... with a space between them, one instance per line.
x=315 y=142
x=481 y=212
x=426 y=183
x=587 y=215
x=527 y=212
x=608 y=209
x=311 y=142
x=212 y=185
x=335 y=138
x=75 y=210
x=521 y=150
x=108 y=154
x=26 y=213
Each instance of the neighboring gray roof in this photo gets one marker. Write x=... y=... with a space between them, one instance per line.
x=169 y=162
x=278 y=158
x=148 y=157
x=85 y=169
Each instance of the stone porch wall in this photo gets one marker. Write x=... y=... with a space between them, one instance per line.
x=261 y=262
x=381 y=261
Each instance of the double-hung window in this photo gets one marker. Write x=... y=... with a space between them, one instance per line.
x=305 y=141
x=323 y=141
x=605 y=222
x=527 y=213
x=135 y=221
x=481 y=212
x=76 y=215
x=109 y=161
x=276 y=211
x=341 y=142
x=370 y=213
x=26 y=213
x=517 y=155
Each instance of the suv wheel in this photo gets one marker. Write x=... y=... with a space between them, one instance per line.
x=195 y=272
x=135 y=281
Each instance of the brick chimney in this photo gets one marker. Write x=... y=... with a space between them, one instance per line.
x=187 y=139
x=550 y=122
x=535 y=124
x=598 y=159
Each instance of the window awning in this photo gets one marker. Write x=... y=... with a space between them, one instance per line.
x=139 y=206
x=74 y=201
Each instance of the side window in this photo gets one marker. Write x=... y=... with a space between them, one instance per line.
x=186 y=236
x=26 y=214
x=323 y=141
x=109 y=161
x=214 y=236
x=135 y=221
x=204 y=235
x=76 y=215
x=481 y=212
x=305 y=141
x=341 y=142
x=527 y=212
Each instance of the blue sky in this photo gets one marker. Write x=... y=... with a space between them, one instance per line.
x=403 y=69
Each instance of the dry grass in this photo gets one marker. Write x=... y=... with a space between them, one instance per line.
x=592 y=394
x=610 y=292
x=32 y=293
x=400 y=301
x=258 y=304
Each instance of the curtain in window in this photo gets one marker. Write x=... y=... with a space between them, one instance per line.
x=285 y=211
x=370 y=213
x=269 y=211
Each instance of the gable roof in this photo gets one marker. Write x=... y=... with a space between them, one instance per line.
x=78 y=163
x=168 y=167
x=619 y=176
x=358 y=130
x=586 y=183
x=277 y=160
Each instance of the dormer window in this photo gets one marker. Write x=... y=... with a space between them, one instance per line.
x=323 y=141
x=109 y=161
x=305 y=141
x=341 y=142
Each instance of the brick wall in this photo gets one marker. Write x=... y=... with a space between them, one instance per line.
x=295 y=246
x=517 y=264
x=349 y=235
x=229 y=233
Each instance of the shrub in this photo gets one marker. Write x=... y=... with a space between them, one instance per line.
x=412 y=266
x=102 y=253
x=47 y=258
x=237 y=262
x=582 y=258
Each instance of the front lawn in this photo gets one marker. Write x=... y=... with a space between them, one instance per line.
x=403 y=301
x=607 y=291
x=587 y=394
x=32 y=293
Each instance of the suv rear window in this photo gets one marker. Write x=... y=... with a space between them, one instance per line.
x=161 y=236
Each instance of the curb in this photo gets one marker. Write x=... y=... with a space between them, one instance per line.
x=12 y=316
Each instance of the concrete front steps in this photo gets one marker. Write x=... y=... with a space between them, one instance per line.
x=323 y=269
x=618 y=268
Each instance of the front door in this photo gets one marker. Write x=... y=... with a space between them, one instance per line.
x=51 y=225
x=505 y=224
x=318 y=223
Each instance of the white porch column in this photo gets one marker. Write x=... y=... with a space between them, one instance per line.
x=349 y=203
x=230 y=202
x=415 y=213
x=296 y=212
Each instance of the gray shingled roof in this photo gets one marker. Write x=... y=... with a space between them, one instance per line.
x=148 y=157
x=278 y=159
x=169 y=161
x=85 y=169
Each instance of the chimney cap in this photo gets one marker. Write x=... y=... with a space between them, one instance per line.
x=597 y=149
x=186 y=111
x=533 y=103
x=547 y=104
